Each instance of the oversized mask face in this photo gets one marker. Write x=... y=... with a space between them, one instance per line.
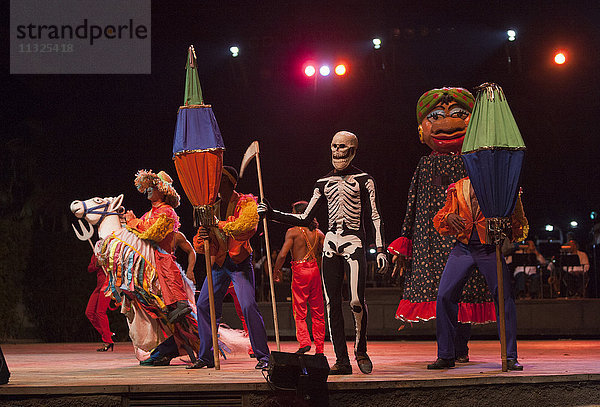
x=343 y=149
x=444 y=128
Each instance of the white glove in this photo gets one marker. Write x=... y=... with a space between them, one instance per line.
x=382 y=263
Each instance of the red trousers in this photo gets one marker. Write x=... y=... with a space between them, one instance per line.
x=96 y=312
x=169 y=277
x=307 y=288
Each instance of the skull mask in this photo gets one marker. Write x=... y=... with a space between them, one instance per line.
x=343 y=149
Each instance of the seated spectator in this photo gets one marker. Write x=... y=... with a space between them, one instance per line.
x=576 y=274
x=526 y=275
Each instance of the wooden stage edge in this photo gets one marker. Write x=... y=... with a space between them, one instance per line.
x=557 y=372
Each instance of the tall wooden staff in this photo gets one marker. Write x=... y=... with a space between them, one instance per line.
x=198 y=154
x=251 y=152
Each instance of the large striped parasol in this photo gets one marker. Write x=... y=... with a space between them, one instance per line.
x=198 y=146
x=198 y=154
x=493 y=152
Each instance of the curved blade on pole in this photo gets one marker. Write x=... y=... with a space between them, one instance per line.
x=251 y=152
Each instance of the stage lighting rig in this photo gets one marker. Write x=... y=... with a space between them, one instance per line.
x=313 y=69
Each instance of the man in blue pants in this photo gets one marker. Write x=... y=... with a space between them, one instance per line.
x=461 y=216
x=231 y=259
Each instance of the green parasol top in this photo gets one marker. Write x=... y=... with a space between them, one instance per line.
x=193 y=92
x=492 y=125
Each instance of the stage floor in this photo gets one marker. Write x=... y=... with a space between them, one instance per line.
x=77 y=369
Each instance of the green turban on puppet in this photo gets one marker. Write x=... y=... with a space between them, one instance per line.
x=432 y=98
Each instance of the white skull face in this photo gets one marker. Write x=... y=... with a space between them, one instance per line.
x=343 y=149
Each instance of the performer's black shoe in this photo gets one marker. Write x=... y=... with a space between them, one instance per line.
x=199 y=364
x=303 y=350
x=147 y=362
x=441 y=364
x=364 y=363
x=163 y=361
x=106 y=347
x=180 y=311
x=462 y=359
x=513 y=364
x=319 y=354
x=262 y=364
x=340 y=369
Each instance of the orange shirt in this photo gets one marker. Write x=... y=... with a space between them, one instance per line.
x=234 y=232
x=158 y=225
x=458 y=201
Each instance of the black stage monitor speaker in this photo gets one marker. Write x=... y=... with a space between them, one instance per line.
x=286 y=370
x=4 y=373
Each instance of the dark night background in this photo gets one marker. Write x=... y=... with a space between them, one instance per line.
x=67 y=137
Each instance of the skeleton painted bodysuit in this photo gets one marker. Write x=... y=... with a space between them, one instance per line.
x=351 y=196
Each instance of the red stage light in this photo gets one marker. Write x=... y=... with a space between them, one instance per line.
x=309 y=70
x=340 y=70
x=560 y=58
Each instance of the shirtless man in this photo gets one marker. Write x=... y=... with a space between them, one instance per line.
x=306 y=245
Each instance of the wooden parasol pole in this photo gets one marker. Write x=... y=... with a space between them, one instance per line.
x=501 y=319
x=268 y=248
x=211 y=305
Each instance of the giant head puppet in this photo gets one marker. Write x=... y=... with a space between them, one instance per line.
x=443 y=115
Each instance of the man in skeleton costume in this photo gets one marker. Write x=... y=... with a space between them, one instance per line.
x=350 y=195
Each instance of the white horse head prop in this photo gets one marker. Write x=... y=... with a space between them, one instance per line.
x=103 y=212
